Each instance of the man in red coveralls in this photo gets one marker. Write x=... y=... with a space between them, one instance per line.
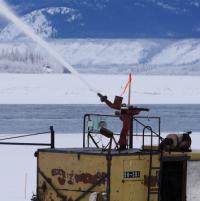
x=125 y=113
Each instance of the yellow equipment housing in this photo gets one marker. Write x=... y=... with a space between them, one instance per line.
x=107 y=174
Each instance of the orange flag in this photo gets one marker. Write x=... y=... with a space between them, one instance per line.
x=127 y=84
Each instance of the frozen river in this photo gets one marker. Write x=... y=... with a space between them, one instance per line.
x=69 y=118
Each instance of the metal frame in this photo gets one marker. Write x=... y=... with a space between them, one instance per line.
x=152 y=135
x=133 y=119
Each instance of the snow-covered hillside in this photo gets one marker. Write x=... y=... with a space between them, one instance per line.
x=22 y=57
x=140 y=56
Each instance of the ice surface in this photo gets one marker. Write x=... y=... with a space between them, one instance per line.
x=67 y=89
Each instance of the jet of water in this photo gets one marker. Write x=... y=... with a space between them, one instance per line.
x=9 y=14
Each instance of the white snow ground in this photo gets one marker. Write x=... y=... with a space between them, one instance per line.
x=67 y=89
x=18 y=168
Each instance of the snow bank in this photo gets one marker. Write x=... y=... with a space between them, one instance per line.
x=193 y=181
x=67 y=89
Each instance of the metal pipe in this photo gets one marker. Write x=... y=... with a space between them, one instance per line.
x=23 y=143
x=131 y=134
x=52 y=137
x=147 y=128
x=150 y=166
x=22 y=136
x=84 y=122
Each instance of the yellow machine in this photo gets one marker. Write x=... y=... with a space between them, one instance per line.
x=151 y=171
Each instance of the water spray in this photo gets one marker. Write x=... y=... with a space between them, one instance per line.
x=9 y=14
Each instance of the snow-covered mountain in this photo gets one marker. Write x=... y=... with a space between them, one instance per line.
x=40 y=21
x=141 y=56
x=164 y=26
x=110 y=18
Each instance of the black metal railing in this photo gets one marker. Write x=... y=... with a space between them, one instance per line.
x=136 y=121
x=4 y=141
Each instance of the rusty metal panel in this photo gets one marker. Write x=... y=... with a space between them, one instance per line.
x=129 y=177
x=69 y=175
x=194 y=155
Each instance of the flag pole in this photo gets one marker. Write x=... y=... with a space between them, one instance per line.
x=129 y=90
x=131 y=119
